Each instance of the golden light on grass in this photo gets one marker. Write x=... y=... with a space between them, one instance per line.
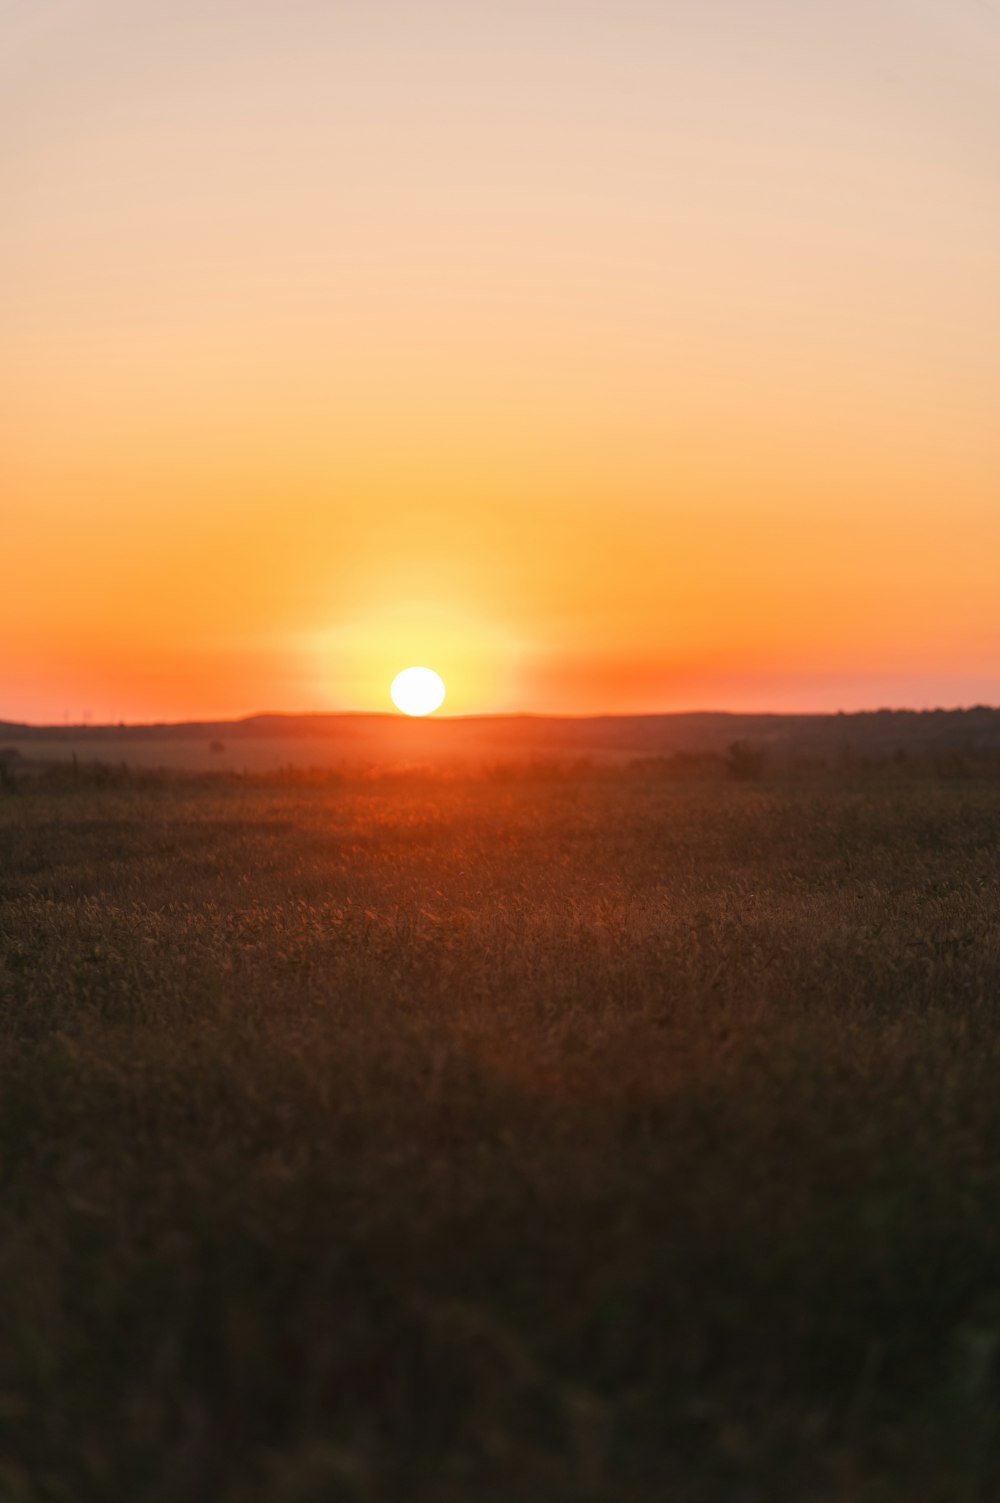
x=417 y=691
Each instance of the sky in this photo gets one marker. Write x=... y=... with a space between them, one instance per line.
x=603 y=355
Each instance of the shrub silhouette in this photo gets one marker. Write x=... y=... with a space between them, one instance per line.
x=745 y=763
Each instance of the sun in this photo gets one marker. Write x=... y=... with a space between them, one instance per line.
x=417 y=691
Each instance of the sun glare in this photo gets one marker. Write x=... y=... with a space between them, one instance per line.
x=417 y=691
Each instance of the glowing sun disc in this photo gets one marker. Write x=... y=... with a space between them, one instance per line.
x=417 y=691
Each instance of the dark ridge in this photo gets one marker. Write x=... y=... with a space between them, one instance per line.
x=876 y=732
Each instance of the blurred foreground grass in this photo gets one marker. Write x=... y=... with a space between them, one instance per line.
x=566 y=1139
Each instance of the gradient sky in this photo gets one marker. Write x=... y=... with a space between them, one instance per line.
x=632 y=355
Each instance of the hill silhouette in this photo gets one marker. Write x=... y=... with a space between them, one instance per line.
x=262 y=740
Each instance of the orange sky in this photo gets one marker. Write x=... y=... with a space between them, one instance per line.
x=626 y=356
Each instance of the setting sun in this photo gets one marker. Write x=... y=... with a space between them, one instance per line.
x=417 y=691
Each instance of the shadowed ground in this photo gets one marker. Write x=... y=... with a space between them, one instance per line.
x=563 y=1138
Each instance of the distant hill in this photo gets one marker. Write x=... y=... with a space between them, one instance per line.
x=269 y=739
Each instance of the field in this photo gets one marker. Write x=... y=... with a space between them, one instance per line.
x=525 y=1139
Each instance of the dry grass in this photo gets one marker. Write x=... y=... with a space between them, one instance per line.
x=559 y=1139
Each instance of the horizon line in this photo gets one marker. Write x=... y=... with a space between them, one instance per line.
x=389 y=715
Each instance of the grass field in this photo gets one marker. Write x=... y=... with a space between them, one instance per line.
x=559 y=1138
